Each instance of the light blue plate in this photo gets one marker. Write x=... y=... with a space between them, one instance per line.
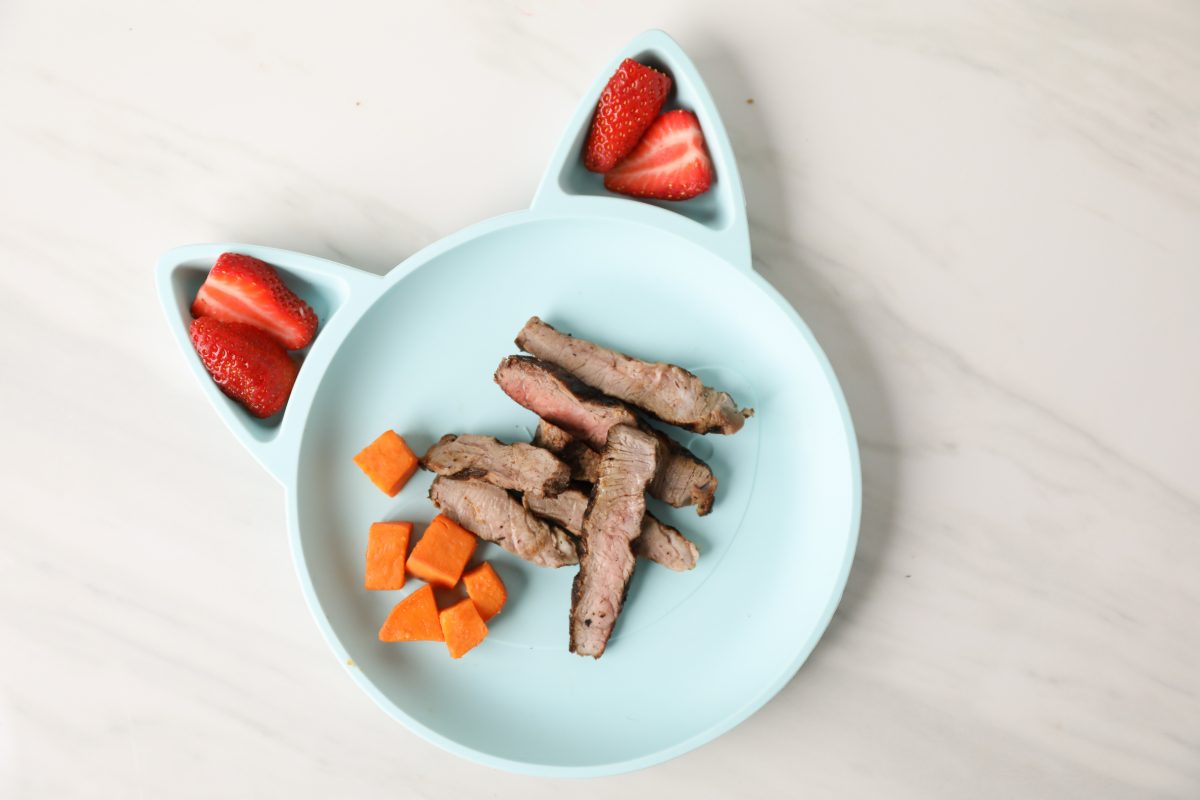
x=694 y=653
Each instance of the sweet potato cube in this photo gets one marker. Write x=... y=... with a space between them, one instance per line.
x=442 y=552
x=462 y=627
x=414 y=619
x=387 y=545
x=486 y=590
x=388 y=462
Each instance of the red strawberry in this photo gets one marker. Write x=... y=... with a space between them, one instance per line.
x=629 y=103
x=243 y=289
x=669 y=163
x=246 y=362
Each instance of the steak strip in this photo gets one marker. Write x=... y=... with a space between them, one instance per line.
x=557 y=397
x=683 y=479
x=659 y=542
x=611 y=523
x=581 y=412
x=520 y=467
x=583 y=461
x=492 y=514
x=668 y=392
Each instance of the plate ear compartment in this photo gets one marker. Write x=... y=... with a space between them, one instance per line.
x=326 y=286
x=720 y=212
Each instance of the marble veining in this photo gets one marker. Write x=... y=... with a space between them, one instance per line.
x=986 y=212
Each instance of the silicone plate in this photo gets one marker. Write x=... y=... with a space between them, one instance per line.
x=694 y=653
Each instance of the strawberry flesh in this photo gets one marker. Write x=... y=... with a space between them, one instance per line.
x=246 y=362
x=243 y=289
x=669 y=163
x=628 y=105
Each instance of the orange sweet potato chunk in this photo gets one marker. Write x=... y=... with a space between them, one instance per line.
x=388 y=462
x=442 y=552
x=486 y=590
x=387 y=545
x=462 y=627
x=414 y=619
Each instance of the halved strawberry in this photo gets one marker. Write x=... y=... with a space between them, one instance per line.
x=243 y=289
x=246 y=362
x=669 y=163
x=629 y=103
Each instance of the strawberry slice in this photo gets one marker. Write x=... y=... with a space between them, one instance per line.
x=246 y=362
x=243 y=289
x=628 y=105
x=669 y=163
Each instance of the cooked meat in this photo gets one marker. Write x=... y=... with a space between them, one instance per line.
x=566 y=509
x=665 y=545
x=583 y=461
x=683 y=479
x=612 y=521
x=578 y=411
x=521 y=467
x=560 y=399
x=670 y=393
x=659 y=542
x=491 y=513
x=551 y=437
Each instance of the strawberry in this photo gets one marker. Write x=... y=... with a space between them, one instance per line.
x=243 y=289
x=246 y=362
x=629 y=103
x=669 y=163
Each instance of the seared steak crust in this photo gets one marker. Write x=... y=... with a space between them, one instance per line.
x=492 y=514
x=611 y=523
x=520 y=467
x=668 y=392
x=659 y=542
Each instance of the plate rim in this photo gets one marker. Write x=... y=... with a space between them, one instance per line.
x=289 y=477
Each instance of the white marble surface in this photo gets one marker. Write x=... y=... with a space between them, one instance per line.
x=989 y=213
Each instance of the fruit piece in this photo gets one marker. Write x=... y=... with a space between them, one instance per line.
x=486 y=590
x=443 y=551
x=243 y=289
x=462 y=627
x=388 y=462
x=670 y=163
x=628 y=105
x=246 y=363
x=414 y=619
x=387 y=545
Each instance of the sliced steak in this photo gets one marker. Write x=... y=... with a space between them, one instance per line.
x=665 y=545
x=492 y=514
x=612 y=521
x=520 y=467
x=565 y=510
x=683 y=479
x=558 y=398
x=659 y=542
x=583 y=461
x=581 y=412
x=670 y=393
x=551 y=437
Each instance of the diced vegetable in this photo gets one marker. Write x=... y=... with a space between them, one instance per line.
x=387 y=546
x=414 y=619
x=462 y=627
x=388 y=462
x=442 y=552
x=486 y=590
